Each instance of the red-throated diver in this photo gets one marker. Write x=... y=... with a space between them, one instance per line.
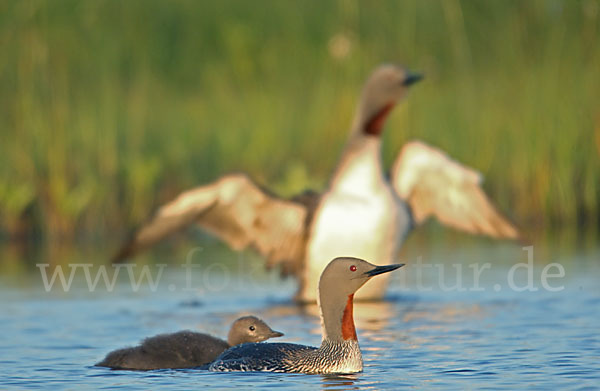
x=339 y=351
x=187 y=349
x=361 y=213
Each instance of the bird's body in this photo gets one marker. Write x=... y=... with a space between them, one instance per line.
x=183 y=349
x=361 y=213
x=186 y=349
x=339 y=351
x=359 y=216
x=336 y=357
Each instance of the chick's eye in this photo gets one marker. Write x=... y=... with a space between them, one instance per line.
x=353 y=268
x=252 y=328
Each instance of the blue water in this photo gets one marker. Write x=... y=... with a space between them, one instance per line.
x=424 y=335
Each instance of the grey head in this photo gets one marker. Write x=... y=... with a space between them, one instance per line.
x=384 y=88
x=250 y=329
x=345 y=275
x=339 y=281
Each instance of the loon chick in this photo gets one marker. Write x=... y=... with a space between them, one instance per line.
x=339 y=351
x=187 y=349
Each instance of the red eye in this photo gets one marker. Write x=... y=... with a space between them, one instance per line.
x=352 y=268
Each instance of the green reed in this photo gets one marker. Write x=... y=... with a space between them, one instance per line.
x=108 y=108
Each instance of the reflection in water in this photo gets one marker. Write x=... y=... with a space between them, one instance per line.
x=341 y=381
x=392 y=321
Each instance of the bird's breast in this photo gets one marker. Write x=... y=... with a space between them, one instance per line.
x=365 y=226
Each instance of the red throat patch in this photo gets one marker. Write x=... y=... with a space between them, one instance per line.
x=375 y=124
x=348 y=330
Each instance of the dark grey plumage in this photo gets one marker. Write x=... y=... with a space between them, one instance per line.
x=184 y=349
x=272 y=357
x=187 y=349
x=288 y=357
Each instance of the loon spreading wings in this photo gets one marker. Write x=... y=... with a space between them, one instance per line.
x=361 y=213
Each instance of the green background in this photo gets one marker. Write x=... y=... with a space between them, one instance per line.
x=108 y=108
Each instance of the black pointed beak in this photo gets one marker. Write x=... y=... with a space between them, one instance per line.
x=411 y=78
x=383 y=269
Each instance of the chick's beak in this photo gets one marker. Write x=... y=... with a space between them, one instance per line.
x=275 y=334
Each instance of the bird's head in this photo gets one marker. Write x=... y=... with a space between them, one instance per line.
x=250 y=329
x=345 y=275
x=385 y=87
x=340 y=279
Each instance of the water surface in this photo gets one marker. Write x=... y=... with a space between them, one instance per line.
x=436 y=329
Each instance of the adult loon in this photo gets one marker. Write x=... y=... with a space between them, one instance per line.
x=339 y=351
x=361 y=213
x=187 y=349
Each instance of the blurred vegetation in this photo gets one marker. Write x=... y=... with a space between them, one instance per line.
x=108 y=108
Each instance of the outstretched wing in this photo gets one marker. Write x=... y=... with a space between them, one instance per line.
x=236 y=210
x=435 y=185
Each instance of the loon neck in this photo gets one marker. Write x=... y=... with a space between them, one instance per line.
x=339 y=348
x=360 y=168
x=337 y=319
x=374 y=124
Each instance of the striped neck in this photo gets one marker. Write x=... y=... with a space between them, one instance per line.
x=338 y=357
